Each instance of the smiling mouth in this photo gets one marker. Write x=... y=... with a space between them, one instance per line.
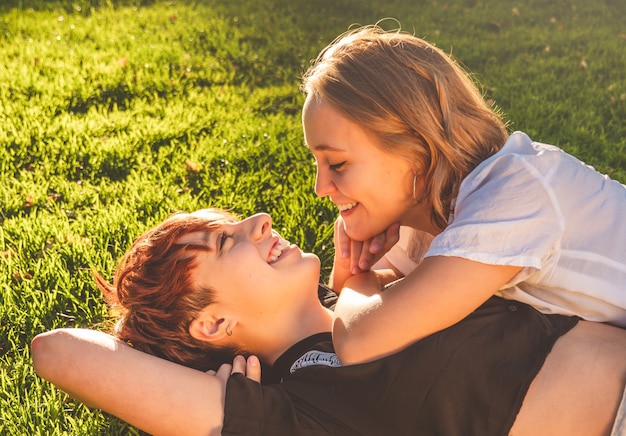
x=277 y=250
x=345 y=207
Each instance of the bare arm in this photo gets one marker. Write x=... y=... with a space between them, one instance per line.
x=153 y=394
x=579 y=386
x=441 y=291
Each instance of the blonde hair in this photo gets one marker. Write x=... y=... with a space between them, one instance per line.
x=416 y=99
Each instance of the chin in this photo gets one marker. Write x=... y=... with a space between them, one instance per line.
x=361 y=234
x=308 y=273
x=313 y=260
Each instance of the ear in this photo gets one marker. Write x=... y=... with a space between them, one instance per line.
x=208 y=328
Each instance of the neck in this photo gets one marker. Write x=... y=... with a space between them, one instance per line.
x=418 y=218
x=304 y=323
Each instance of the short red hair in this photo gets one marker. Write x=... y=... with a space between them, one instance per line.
x=154 y=295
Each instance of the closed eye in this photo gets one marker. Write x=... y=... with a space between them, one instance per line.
x=337 y=166
x=222 y=240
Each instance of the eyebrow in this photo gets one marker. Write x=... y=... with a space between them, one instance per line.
x=325 y=147
x=198 y=239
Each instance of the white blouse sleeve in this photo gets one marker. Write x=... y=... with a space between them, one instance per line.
x=505 y=214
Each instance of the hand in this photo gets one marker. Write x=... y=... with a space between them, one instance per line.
x=356 y=257
x=251 y=368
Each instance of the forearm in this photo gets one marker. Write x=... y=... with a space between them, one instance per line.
x=360 y=300
x=385 y=273
x=440 y=292
x=355 y=324
x=153 y=394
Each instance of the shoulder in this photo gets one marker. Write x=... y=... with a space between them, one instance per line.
x=512 y=157
x=521 y=167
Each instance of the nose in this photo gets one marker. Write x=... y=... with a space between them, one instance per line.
x=324 y=186
x=259 y=224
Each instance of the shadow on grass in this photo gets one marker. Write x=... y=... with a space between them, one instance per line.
x=85 y=5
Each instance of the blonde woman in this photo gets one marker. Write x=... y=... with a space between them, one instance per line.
x=402 y=137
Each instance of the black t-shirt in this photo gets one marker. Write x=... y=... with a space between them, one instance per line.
x=469 y=379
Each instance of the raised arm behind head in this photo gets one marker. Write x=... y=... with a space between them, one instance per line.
x=153 y=394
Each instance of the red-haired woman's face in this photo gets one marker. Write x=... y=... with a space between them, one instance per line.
x=253 y=270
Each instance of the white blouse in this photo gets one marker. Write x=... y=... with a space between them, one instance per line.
x=535 y=206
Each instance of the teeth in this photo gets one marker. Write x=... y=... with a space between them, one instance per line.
x=278 y=250
x=344 y=207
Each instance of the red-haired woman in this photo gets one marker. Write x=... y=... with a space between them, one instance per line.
x=202 y=287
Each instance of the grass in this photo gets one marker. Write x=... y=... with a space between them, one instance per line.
x=114 y=114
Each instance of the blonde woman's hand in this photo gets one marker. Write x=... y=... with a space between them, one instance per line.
x=354 y=257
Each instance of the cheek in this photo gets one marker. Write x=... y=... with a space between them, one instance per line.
x=356 y=181
x=402 y=187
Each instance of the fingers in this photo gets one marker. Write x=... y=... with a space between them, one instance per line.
x=382 y=242
x=223 y=371
x=251 y=368
x=239 y=365
x=356 y=252
x=341 y=239
x=377 y=243
x=362 y=254
x=370 y=251
x=392 y=236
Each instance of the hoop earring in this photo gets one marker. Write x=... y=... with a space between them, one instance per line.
x=229 y=332
x=414 y=182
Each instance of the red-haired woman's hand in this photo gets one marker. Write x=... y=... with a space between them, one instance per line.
x=251 y=368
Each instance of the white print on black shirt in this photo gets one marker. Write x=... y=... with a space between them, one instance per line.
x=312 y=358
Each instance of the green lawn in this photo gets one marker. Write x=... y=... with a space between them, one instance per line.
x=114 y=114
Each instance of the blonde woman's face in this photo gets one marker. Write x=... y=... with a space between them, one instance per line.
x=371 y=188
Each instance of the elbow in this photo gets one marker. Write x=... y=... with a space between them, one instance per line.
x=349 y=347
x=356 y=344
x=46 y=353
x=38 y=350
x=344 y=353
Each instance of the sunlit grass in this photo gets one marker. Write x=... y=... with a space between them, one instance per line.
x=114 y=114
